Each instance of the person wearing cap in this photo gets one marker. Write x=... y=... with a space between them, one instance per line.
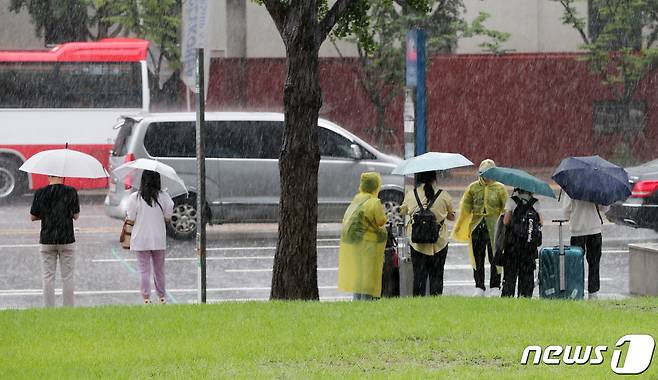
x=362 y=242
x=480 y=208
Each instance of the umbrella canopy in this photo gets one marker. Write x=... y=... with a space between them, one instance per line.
x=64 y=163
x=592 y=179
x=170 y=181
x=431 y=161
x=519 y=178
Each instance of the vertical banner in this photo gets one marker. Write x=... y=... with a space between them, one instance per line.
x=198 y=16
x=415 y=104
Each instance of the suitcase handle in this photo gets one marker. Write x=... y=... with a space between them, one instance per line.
x=562 y=265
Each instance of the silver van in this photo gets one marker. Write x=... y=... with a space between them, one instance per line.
x=242 y=171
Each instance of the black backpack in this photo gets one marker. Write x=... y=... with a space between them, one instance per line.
x=525 y=227
x=424 y=228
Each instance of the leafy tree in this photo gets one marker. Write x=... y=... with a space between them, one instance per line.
x=380 y=47
x=61 y=21
x=158 y=21
x=303 y=26
x=620 y=47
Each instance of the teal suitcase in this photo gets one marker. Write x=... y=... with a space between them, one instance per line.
x=562 y=271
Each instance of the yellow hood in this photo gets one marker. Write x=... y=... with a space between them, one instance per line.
x=371 y=182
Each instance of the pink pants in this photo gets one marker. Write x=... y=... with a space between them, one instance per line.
x=144 y=258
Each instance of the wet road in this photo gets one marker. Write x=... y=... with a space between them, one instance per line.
x=239 y=260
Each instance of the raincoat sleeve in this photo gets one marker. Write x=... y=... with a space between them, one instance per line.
x=502 y=198
x=462 y=230
x=378 y=213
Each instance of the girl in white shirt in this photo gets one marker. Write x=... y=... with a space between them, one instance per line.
x=150 y=208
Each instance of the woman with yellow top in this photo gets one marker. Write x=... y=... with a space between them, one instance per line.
x=428 y=260
x=362 y=242
x=481 y=206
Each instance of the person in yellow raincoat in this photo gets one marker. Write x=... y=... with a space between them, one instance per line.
x=362 y=242
x=429 y=260
x=481 y=206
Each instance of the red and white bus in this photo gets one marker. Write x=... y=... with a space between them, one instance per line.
x=72 y=94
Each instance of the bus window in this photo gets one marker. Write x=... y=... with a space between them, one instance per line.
x=70 y=85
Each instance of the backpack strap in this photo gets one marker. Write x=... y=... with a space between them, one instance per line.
x=598 y=212
x=436 y=196
x=420 y=204
x=431 y=202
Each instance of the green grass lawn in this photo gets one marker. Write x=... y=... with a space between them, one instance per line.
x=447 y=337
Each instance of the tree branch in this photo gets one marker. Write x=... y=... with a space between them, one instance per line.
x=278 y=11
x=327 y=23
x=572 y=18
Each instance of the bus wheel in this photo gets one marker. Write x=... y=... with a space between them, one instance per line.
x=12 y=182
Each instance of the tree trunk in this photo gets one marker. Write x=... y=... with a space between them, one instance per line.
x=294 y=275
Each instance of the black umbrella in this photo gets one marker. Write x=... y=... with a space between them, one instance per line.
x=592 y=179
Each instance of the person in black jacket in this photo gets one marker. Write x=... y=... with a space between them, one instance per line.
x=56 y=206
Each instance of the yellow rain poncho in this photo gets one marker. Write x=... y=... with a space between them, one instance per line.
x=481 y=200
x=363 y=239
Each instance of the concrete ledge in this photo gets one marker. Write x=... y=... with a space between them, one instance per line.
x=643 y=269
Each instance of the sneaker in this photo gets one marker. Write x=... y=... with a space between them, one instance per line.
x=593 y=296
x=478 y=292
x=163 y=300
x=147 y=301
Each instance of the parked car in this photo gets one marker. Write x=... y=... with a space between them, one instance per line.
x=242 y=172
x=640 y=210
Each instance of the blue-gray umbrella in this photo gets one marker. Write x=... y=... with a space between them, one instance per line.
x=519 y=178
x=431 y=161
x=592 y=179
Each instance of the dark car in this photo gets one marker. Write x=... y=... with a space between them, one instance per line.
x=640 y=210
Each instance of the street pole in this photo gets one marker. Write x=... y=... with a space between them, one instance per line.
x=415 y=135
x=200 y=176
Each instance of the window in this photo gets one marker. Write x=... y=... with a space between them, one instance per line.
x=244 y=139
x=609 y=117
x=70 y=85
x=334 y=145
x=224 y=139
x=121 y=143
x=171 y=139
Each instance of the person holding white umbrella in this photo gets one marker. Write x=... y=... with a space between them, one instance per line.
x=56 y=206
x=149 y=209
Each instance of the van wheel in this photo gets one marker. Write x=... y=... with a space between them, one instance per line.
x=392 y=200
x=12 y=182
x=183 y=221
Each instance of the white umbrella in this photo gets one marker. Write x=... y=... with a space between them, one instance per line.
x=170 y=181
x=64 y=163
x=431 y=161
